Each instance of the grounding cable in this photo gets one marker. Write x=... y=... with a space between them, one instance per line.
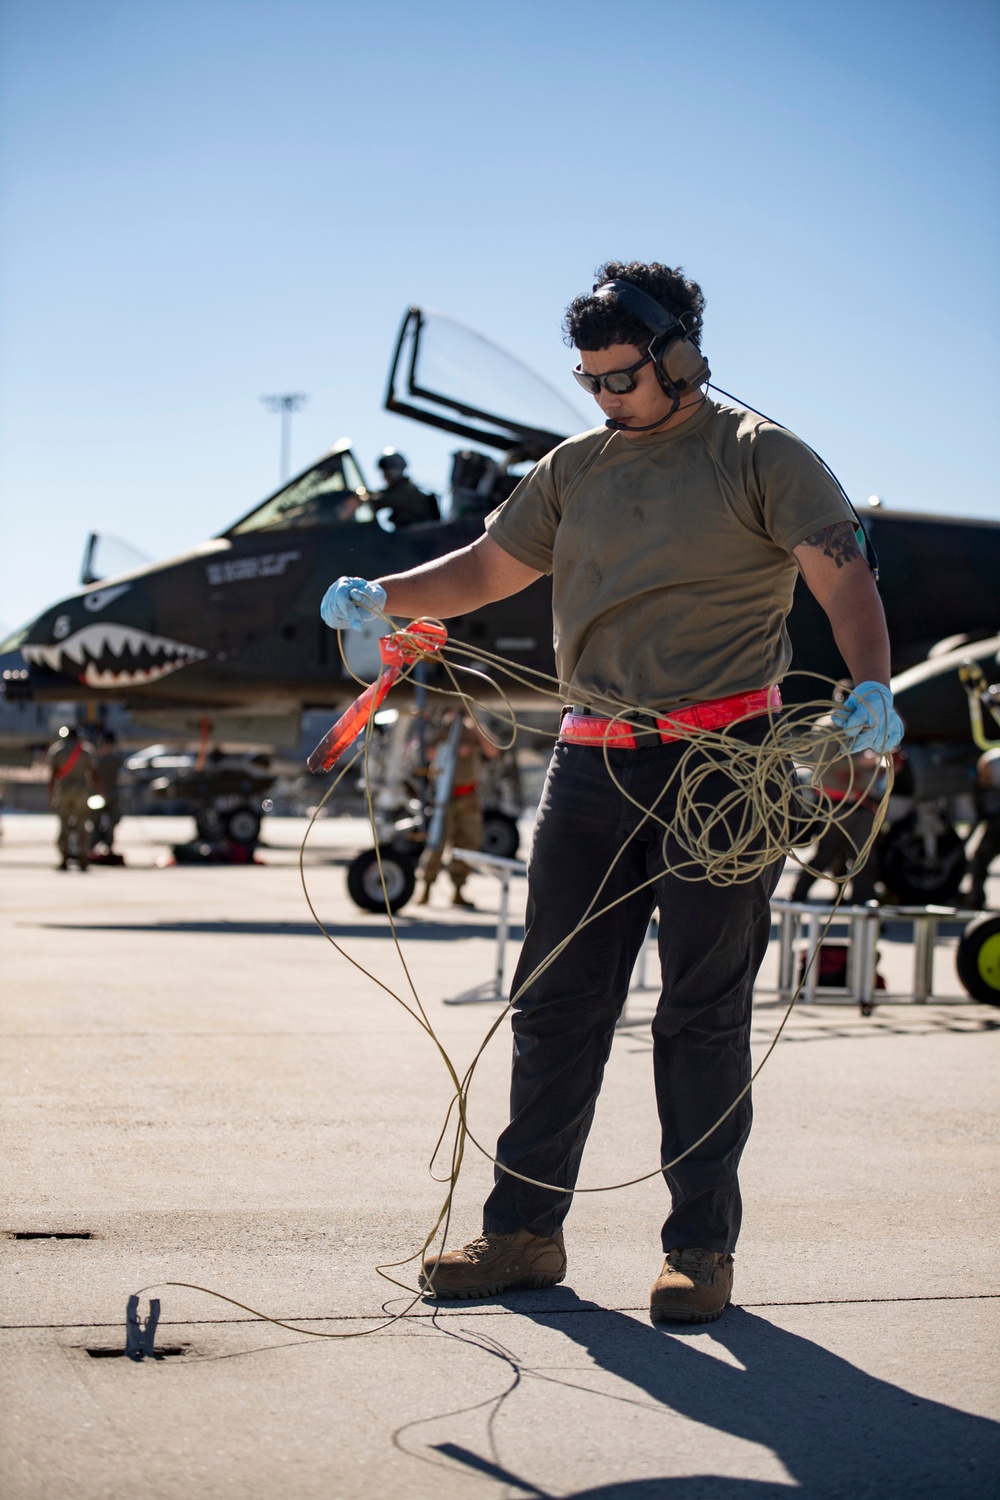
x=767 y=815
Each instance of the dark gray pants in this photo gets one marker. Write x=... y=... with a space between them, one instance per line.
x=712 y=940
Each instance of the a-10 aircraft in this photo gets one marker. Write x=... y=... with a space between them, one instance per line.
x=230 y=630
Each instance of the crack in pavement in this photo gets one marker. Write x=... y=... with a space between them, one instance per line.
x=466 y=1311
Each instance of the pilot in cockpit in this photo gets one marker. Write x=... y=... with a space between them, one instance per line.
x=407 y=505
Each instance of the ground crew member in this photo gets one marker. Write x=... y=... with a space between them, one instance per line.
x=108 y=769
x=463 y=824
x=72 y=779
x=407 y=504
x=674 y=535
x=855 y=783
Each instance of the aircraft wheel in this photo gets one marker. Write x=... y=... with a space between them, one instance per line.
x=918 y=876
x=978 y=959
x=243 y=825
x=364 y=881
x=500 y=835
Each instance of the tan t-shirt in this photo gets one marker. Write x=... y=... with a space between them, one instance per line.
x=670 y=554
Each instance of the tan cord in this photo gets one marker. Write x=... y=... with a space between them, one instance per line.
x=764 y=818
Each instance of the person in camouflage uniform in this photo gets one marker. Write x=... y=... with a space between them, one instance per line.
x=107 y=769
x=463 y=824
x=72 y=779
x=407 y=504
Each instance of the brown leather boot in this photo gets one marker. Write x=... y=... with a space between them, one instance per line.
x=495 y=1263
x=695 y=1286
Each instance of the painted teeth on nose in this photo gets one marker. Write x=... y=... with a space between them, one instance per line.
x=91 y=644
x=43 y=656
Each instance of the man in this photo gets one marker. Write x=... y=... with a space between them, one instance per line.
x=407 y=504
x=463 y=823
x=855 y=784
x=673 y=535
x=107 y=770
x=72 y=779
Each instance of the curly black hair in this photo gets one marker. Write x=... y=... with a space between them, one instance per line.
x=596 y=322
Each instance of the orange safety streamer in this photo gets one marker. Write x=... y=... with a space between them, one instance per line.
x=400 y=650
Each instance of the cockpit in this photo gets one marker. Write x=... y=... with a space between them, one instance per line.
x=445 y=375
x=331 y=492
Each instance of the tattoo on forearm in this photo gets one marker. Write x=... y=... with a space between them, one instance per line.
x=838 y=542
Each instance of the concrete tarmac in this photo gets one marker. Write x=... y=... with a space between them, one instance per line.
x=199 y=1084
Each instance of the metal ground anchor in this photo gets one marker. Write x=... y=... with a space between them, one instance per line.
x=139 y=1336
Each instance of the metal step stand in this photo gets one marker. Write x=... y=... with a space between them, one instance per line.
x=801 y=926
x=505 y=870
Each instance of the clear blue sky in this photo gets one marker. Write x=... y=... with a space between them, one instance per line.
x=206 y=200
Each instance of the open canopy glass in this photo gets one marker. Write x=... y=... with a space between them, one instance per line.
x=448 y=376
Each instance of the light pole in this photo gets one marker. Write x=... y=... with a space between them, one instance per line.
x=286 y=405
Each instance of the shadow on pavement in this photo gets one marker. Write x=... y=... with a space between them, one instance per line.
x=375 y=927
x=886 y=1022
x=838 y=1431
x=690 y=1487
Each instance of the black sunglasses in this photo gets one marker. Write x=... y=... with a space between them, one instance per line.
x=618 y=382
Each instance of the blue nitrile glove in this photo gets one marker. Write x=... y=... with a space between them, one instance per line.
x=343 y=612
x=867 y=719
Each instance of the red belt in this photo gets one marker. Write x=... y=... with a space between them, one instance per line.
x=716 y=713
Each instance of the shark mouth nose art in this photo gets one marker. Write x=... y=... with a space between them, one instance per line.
x=113 y=656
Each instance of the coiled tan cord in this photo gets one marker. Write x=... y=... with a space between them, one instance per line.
x=765 y=817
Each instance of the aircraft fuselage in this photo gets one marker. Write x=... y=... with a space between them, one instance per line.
x=234 y=625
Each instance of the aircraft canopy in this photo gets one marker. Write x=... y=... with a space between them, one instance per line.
x=446 y=375
x=314 y=498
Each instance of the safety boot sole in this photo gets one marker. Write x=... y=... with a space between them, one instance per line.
x=686 y=1315
x=532 y=1283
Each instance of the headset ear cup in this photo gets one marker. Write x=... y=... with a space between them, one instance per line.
x=683 y=364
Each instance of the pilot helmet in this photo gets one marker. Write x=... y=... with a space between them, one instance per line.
x=392 y=462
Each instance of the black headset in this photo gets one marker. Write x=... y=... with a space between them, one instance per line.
x=681 y=367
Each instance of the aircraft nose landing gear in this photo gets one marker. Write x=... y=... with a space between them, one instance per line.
x=388 y=864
